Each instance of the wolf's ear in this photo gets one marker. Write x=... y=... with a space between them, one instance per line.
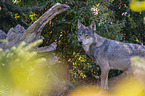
x=93 y=26
x=80 y=24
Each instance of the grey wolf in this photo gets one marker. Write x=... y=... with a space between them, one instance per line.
x=108 y=54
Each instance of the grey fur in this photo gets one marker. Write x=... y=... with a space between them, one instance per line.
x=108 y=54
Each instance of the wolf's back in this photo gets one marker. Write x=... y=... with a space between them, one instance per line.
x=119 y=54
x=126 y=49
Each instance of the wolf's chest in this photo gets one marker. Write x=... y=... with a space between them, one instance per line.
x=90 y=50
x=86 y=48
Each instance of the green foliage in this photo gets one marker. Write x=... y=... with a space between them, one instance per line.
x=13 y=12
x=133 y=31
x=107 y=25
x=11 y=15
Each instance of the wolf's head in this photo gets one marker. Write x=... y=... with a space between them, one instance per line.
x=86 y=34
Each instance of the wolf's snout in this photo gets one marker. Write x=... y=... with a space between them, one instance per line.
x=80 y=42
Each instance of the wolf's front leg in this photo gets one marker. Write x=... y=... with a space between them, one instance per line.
x=104 y=78
x=103 y=63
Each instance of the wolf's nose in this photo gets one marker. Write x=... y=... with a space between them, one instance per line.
x=80 y=42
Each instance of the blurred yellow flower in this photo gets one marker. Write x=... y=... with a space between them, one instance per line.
x=137 y=6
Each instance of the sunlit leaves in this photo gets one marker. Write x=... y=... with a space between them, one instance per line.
x=33 y=16
x=107 y=25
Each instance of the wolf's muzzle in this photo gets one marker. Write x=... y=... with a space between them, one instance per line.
x=80 y=42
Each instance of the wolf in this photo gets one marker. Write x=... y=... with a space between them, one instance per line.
x=108 y=54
